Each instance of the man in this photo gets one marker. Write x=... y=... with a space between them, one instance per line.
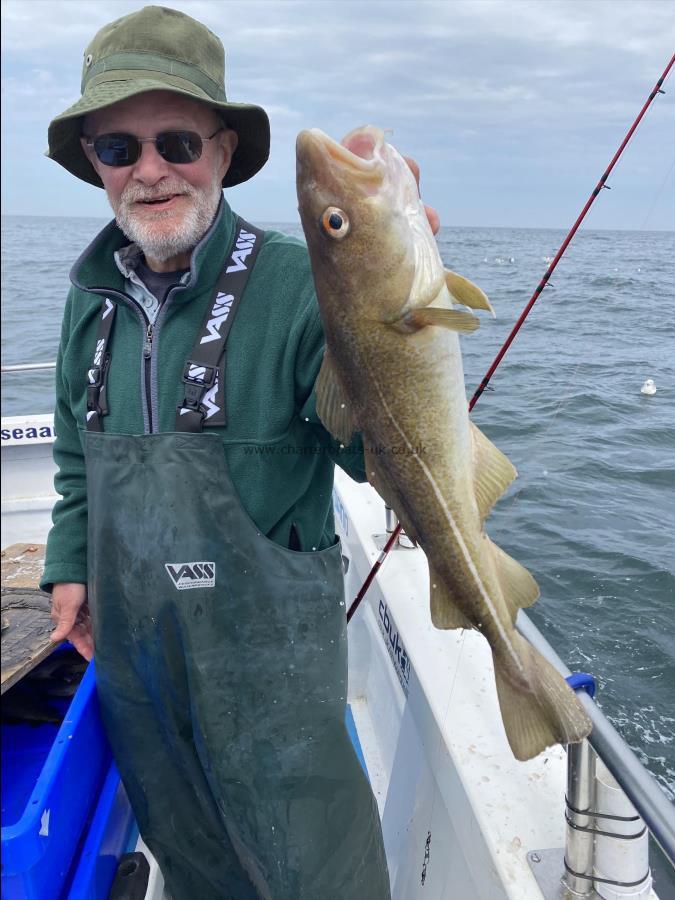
x=196 y=521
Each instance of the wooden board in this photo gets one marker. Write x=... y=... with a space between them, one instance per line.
x=26 y=620
x=22 y=565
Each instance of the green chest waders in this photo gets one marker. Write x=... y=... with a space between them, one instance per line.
x=221 y=663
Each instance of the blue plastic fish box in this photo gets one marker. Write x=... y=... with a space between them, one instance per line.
x=112 y=832
x=45 y=821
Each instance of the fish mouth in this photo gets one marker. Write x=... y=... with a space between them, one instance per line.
x=361 y=151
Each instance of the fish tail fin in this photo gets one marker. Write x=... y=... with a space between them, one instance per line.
x=548 y=713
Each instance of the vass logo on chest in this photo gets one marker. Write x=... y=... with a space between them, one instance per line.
x=192 y=574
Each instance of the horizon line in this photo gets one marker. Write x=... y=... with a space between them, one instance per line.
x=298 y=225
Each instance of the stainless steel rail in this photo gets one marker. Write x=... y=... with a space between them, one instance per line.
x=27 y=367
x=639 y=786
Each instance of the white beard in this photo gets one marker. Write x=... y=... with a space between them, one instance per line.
x=156 y=238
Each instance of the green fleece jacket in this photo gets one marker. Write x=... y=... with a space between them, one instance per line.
x=279 y=455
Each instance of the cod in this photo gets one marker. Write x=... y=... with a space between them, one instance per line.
x=392 y=370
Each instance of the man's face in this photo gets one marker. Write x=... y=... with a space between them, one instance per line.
x=165 y=232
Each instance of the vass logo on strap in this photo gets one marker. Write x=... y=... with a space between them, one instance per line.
x=210 y=399
x=243 y=247
x=219 y=313
x=94 y=374
x=100 y=344
x=192 y=574
x=223 y=302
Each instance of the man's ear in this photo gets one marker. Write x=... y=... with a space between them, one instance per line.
x=89 y=153
x=229 y=139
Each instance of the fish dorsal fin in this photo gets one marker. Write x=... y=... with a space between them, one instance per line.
x=518 y=585
x=332 y=405
x=444 y=611
x=466 y=292
x=454 y=319
x=493 y=471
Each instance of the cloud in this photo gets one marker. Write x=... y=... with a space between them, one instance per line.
x=33 y=97
x=519 y=88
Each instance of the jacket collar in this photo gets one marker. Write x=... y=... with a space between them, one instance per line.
x=96 y=269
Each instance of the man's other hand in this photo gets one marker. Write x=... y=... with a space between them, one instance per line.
x=432 y=215
x=70 y=614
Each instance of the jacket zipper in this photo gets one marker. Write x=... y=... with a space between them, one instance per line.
x=151 y=331
x=147 y=357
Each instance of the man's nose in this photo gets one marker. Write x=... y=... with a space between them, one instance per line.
x=150 y=166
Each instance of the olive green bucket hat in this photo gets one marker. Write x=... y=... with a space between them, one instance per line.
x=158 y=49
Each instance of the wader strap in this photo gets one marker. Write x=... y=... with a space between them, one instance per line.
x=204 y=373
x=97 y=375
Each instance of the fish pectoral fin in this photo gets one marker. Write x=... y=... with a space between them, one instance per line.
x=444 y=611
x=466 y=292
x=493 y=471
x=544 y=712
x=332 y=405
x=454 y=319
x=518 y=585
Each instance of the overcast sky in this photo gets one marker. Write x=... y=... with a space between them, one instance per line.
x=513 y=108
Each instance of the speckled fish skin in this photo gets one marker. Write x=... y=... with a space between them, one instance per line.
x=393 y=370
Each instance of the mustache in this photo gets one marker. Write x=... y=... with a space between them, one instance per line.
x=137 y=193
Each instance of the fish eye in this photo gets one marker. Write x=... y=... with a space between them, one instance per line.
x=335 y=222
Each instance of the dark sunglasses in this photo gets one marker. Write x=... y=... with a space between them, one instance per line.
x=176 y=147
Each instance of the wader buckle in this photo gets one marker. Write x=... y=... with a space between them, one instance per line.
x=197 y=378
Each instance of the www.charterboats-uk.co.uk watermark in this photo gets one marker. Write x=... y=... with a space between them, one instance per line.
x=312 y=450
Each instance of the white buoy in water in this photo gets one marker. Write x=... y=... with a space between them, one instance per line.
x=648 y=388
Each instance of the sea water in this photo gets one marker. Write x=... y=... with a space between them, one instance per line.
x=592 y=512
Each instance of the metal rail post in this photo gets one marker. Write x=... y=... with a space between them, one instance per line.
x=580 y=807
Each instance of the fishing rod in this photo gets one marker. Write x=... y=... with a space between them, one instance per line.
x=526 y=311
